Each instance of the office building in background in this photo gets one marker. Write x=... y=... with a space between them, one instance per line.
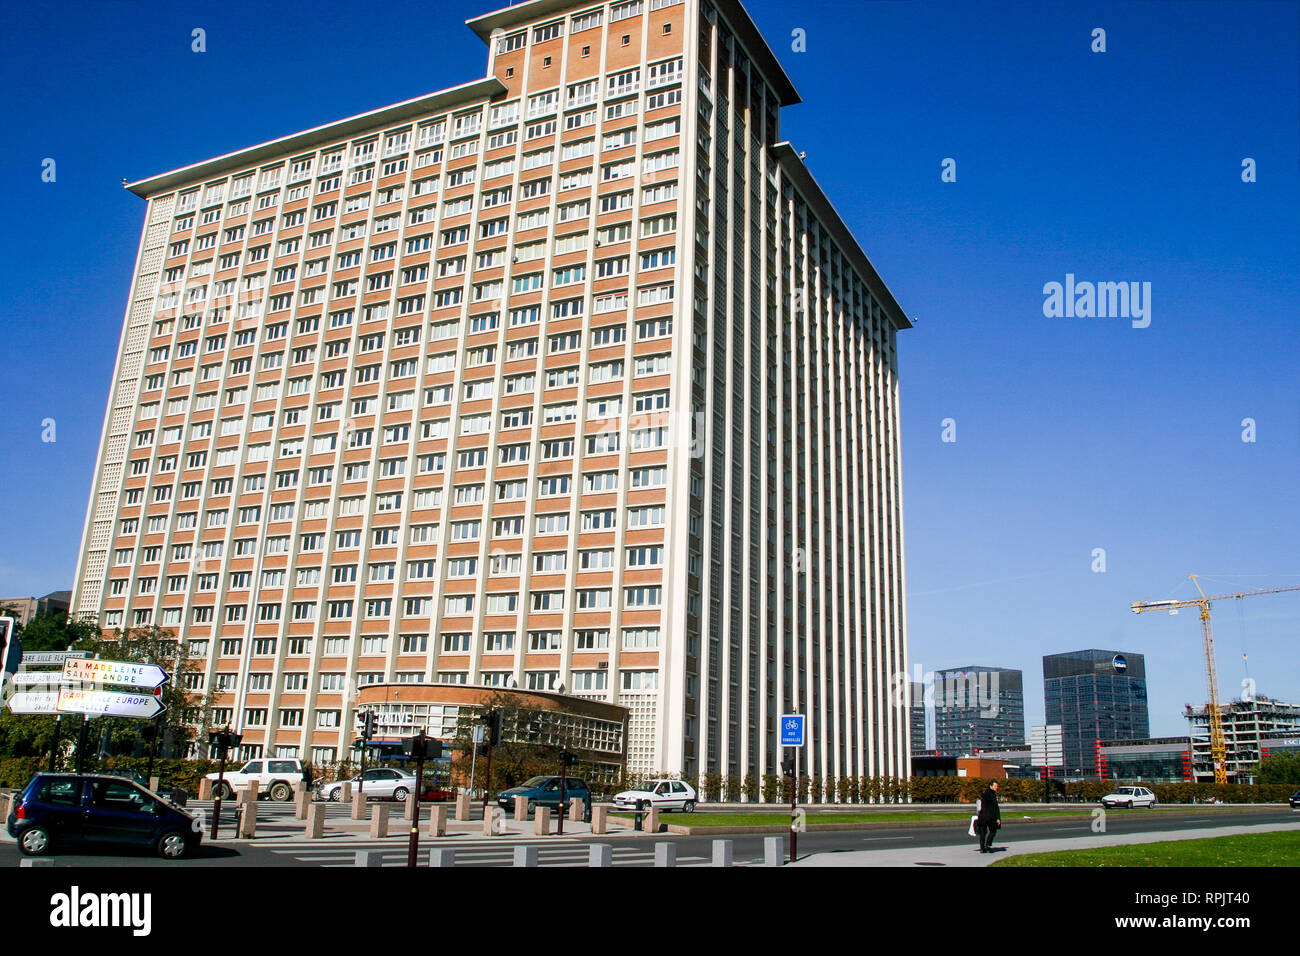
x=1095 y=695
x=978 y=709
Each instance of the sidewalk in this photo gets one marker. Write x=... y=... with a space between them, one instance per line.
x=969 y=855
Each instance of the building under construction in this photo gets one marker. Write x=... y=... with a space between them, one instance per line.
x=1247 y=725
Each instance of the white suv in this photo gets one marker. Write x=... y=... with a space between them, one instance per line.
x=275 y=777
x=1129 y=797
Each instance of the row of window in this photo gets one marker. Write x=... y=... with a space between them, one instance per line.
x=494 y=642
x=454 y=605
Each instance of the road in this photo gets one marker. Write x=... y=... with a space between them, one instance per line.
x=280 y=844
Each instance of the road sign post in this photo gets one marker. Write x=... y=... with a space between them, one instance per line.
x=1046 y=750
x=792 y=737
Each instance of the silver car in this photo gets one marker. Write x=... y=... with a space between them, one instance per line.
x=381 y=783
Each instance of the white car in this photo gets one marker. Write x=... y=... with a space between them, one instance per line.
x=660 y=794
x=1129 y=797
x=275 y=778
x=381 y=783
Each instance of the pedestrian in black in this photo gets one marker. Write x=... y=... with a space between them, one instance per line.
x=989 y=818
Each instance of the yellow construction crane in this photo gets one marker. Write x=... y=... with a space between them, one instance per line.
x=1218 y=748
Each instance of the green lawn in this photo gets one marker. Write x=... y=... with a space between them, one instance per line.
x=1281 y=848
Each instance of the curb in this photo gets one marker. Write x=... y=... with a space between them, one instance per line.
x=682 y=830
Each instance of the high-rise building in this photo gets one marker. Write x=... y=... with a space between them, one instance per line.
x=569 y=377
x=1094 y=695
x=918 y=716
x=1246 y=724
x=978 y=709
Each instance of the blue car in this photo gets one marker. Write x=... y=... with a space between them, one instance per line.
x=62 y=809
x=545 y=792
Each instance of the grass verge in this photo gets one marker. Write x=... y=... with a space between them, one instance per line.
x=1279 y=848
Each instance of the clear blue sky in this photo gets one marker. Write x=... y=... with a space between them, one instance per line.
x=1072 y=433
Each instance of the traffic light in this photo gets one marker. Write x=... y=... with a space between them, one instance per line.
x=567 y=759
x=431 y=748
x=224 y=741
x=787 y=766
x=368 y=722
x=492 y=720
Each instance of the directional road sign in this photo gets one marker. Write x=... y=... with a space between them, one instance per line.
x=35 y=658
x=34 y=702
x=146 y=676
x=792 y=730
x=27 y=678
x=110 y=703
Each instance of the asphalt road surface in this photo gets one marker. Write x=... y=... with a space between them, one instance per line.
x=283 y=848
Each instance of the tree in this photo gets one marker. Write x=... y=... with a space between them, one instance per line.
x=55 y=632
x=1280 y=768
x=531 y=741
x=185 y=709
x=23 y=735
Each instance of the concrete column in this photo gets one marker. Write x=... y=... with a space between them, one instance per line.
x=521 y=808
x=773 y=851
x=722 y=852
x=205 y=789
x=462 y=806
x=358 y=806
x=652 y=820
x=249 y=793
x=665 y=854
x=153 y=784
x=345 y=792
x=442 y=856
x=525 y=856
x=541 y=821
x=438 y=820
x=315 y=821
x=248 y=820
x=602 y=854
x=408 y=811
x=599 y=820
x=575 y=811
x=489 y=820
x=301 y=800
x=378 y=822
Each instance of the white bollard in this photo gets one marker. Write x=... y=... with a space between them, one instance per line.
x=369 y=858
x=722 y=852
x=602 y=854
x=665 y=854
x=442 y=856
x=773 y=851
